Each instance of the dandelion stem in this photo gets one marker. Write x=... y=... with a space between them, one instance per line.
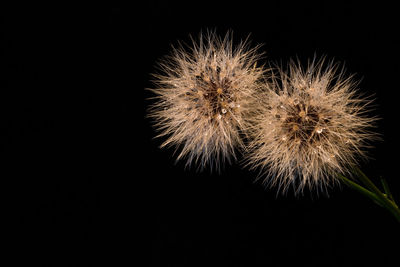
x=361 y=189
x=386 y=188
x=384 y=200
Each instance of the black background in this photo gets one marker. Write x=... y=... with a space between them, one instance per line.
x=85 y=181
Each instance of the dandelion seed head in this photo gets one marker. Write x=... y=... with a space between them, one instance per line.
x=202 y=94
x=309 y=127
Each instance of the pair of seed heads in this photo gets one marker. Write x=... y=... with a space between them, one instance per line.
x=301 y=126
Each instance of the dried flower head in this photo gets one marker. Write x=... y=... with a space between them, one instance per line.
x=311 y=125
x=202 y=96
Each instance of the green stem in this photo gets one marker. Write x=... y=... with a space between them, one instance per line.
x=387 y=190
x=390 y=205
x=374 y=193
x=361 y=189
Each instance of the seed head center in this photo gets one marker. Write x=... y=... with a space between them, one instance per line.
x=301 y=122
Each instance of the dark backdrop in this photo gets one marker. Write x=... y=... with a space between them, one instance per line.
x=83 y=177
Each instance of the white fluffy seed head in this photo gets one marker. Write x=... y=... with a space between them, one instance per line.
x=311 y=125
x=202 y=96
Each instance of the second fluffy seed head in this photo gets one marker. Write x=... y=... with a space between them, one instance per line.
x=311 y=125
